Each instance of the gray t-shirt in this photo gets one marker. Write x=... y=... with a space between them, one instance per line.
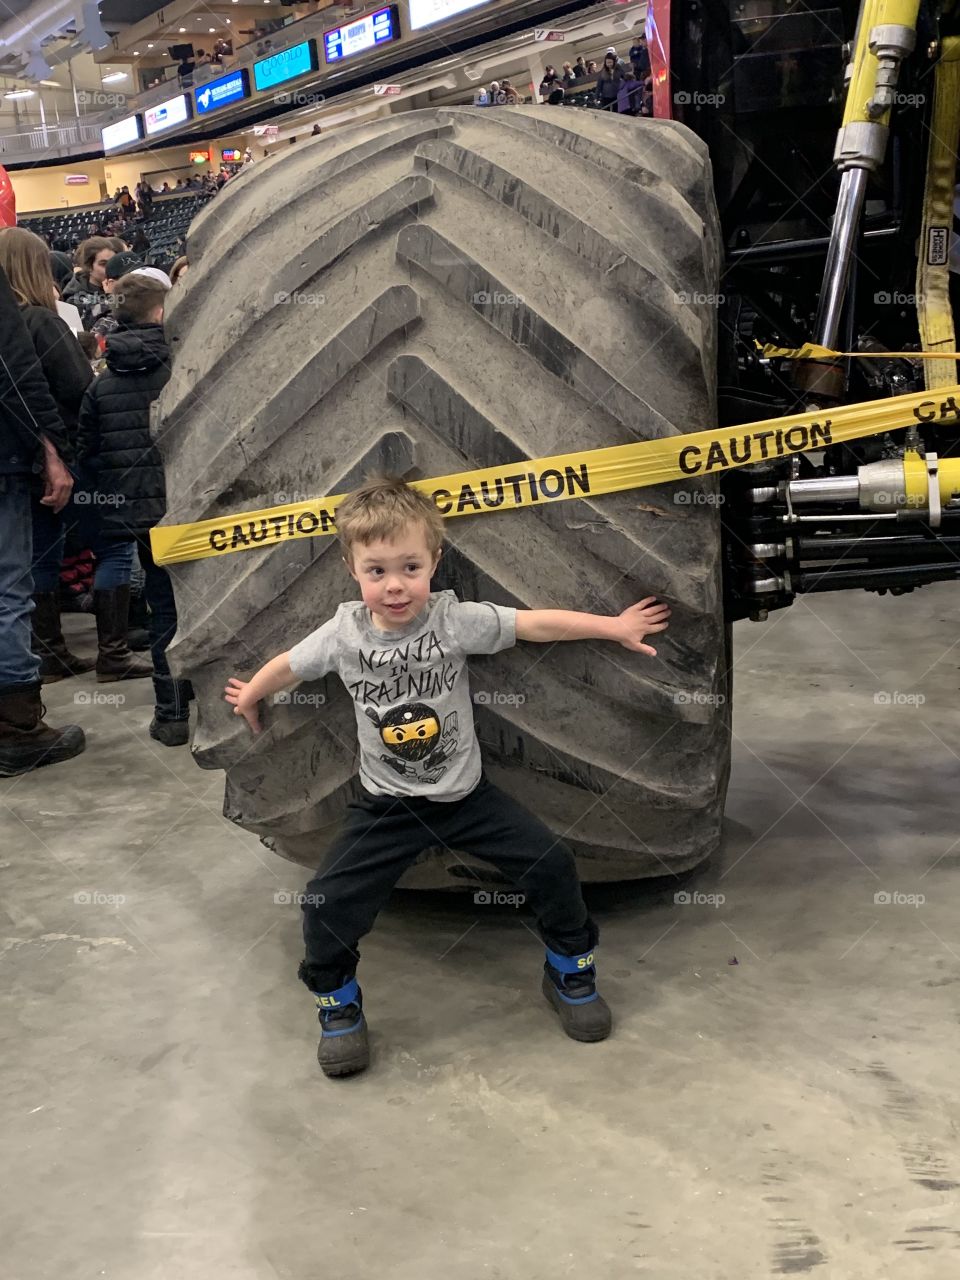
x=410 y=690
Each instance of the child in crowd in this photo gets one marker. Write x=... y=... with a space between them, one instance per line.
x=421 y=780
x=114 y=442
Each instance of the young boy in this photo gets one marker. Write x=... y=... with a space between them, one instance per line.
x=114 y=442
x=400 y=652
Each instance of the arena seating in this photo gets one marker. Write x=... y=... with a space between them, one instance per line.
x=165 y=225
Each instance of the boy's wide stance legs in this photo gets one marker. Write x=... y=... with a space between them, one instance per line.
x=381 y=837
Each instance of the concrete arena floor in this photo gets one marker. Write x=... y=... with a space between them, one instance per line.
x=780 y=1096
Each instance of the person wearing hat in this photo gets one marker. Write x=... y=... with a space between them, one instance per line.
x=153 y=273
x=102 y=320
x=640 y=56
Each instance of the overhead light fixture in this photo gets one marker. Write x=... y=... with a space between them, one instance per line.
x=114 y=76
x=52 y=84
x=136 y=53
x=19 y=93
x=149 y=46
x=182 y=30
x=212 y=30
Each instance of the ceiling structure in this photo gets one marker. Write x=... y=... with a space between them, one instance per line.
x=38 y=35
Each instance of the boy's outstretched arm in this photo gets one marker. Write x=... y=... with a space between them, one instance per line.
x=244 y=695
x=627 y=628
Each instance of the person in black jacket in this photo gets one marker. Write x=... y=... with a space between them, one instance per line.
x=609 y=81
x=114 y=440
x=101 y=319
x=26 y=261
x=85 y=290
x=33 y=444
x=640 y=57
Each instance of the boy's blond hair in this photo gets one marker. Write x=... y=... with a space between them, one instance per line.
x=380 y=509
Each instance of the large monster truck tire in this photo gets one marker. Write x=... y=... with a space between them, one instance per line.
x=429 y=293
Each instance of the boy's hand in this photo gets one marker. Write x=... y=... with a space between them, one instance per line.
x=236 y=694
x=643 y=619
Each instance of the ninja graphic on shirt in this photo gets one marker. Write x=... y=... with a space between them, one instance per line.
x=412 y=735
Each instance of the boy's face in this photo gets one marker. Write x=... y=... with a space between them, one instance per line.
x=394 y=576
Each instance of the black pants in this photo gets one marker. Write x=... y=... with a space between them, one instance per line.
x=172 y=696
x=383 y=835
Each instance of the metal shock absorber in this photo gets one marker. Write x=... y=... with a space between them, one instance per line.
x=886 y=34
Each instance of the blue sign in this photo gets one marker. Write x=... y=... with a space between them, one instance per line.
x=285 y=65
x=361 y=34
x=220 y=93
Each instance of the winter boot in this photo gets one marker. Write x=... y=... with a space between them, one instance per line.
x=56 y=660
x=114 y=659
x=25 y=741
x=343 y=1048
x=570 y=985
x=171 y=715
x=172 y=733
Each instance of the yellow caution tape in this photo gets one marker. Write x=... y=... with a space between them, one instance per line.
x=934 y=311
x=810 y=351
x=571 y=475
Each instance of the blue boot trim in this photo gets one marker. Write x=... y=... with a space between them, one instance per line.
x=570 y=964
x=349 y=993
x=331 y=1002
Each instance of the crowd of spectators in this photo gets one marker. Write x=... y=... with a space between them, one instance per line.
x=618 y=84
x=84 y=359
x=129 y=217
